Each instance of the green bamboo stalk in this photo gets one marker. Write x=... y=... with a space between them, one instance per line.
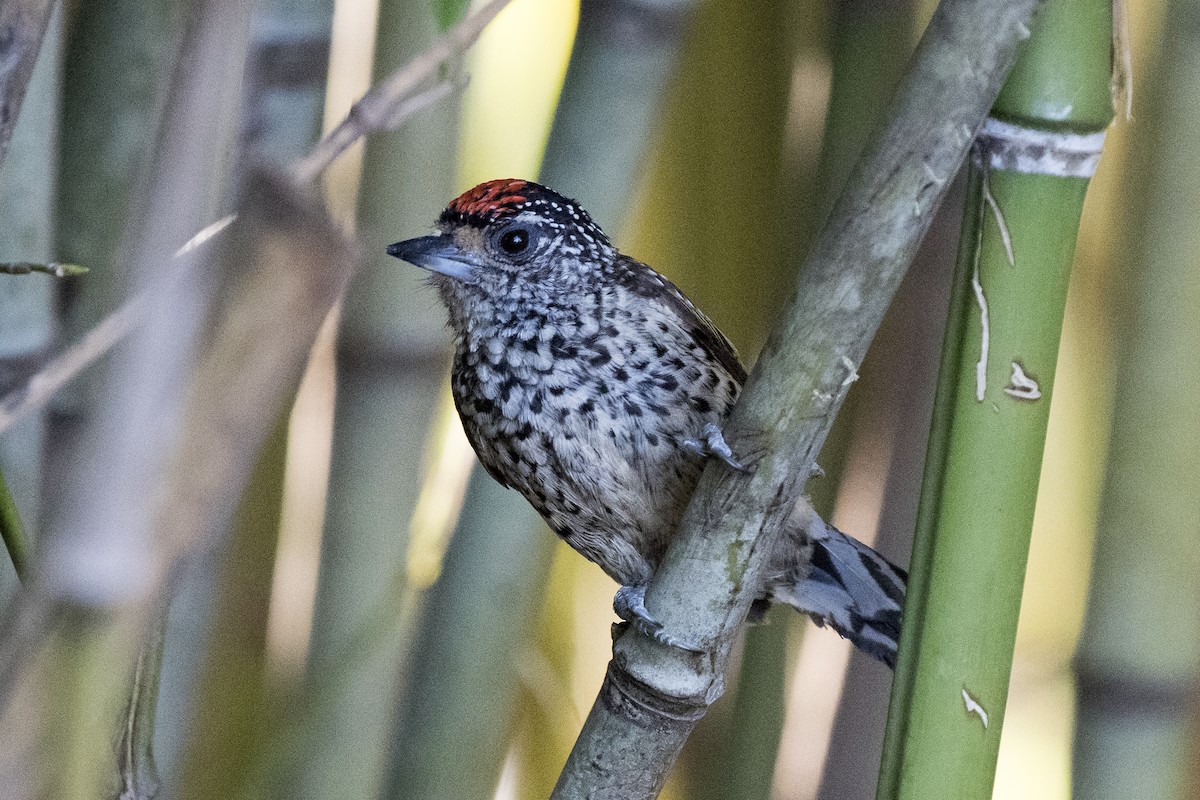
x=115 y=53
x=653 y=695
x=27 y=183
x=1139 y=659
x=462 y=688
x=230 y=710
x=546 y=667
x=993 y=404
x=623 y=55
x=391 y=355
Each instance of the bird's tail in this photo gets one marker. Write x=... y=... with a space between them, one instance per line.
x=851 y=588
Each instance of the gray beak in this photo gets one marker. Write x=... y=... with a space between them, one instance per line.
x=437 y=254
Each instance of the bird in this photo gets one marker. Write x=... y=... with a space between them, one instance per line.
x=595 y=388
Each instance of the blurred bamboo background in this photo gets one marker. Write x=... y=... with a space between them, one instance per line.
x=379 y=619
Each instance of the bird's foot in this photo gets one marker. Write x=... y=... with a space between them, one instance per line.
x=630 y=605
x=712 y=443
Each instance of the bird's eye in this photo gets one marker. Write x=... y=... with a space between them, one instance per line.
x=514 y=241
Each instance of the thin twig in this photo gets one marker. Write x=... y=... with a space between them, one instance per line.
x=54 y=268
x=389 y=104
x=378 y=108
x=74 y=360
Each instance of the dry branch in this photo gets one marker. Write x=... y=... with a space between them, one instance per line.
x=380 y=108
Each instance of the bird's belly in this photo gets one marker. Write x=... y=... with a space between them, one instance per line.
x=611 y=483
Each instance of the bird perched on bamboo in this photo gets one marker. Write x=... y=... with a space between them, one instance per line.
x=590 y=384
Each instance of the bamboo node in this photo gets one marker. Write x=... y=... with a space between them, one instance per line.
x=1016 y=148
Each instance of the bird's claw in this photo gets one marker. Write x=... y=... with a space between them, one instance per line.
x=713 y=444
x=630 y=605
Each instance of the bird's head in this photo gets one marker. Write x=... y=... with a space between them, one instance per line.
x=512 y=239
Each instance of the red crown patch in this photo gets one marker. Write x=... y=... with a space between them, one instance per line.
x=492 y=199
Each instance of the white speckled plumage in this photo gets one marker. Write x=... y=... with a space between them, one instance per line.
x=579 y=374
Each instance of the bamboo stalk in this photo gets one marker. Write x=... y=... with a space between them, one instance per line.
x=653 y=695
x=1027 y=183
x=391 y=357
x=233 y=703
x=99 y=557
x=1138 y=665
x=624 y=53
x=115 y=53
x=27 y=326
x=24 y=23
x=463 y=702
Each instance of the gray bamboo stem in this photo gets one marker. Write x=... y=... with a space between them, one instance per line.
x=228 y=702
x=27 y=323
x=653 y=696
x=24 y=25
x=1138 y=666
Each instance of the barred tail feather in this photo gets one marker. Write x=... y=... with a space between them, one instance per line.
x=854 y=590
